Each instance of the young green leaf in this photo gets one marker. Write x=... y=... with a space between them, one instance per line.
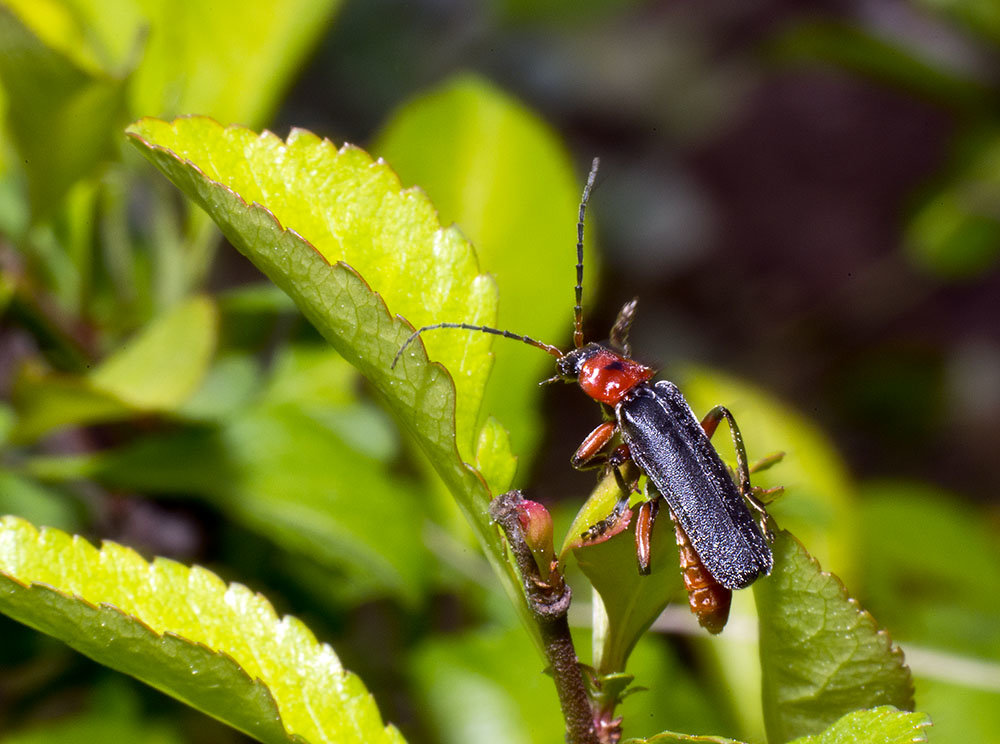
x=315 y=220
x=631 y=601
x=822 y=656
x=882 y=725
x=669 y=737
x=221 y=649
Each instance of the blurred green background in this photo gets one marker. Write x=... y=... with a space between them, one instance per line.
x=804 y=195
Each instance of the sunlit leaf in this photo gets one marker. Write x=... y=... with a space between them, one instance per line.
x=315 y=220
x=821 y=655
x=494 y=458
x=221 y=649
x=491 y=166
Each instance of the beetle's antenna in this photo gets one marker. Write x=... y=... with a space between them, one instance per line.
x=485 y=329
x=619 y=332
x=578 y=308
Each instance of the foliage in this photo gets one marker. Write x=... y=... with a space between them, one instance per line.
x=328 y=477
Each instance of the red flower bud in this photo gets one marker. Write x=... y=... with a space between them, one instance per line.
x=536 y=523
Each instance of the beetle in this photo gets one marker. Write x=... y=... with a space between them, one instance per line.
x=650 y=424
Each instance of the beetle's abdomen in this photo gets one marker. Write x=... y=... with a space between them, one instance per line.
x=708 y=599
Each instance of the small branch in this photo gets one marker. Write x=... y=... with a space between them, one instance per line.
x=549 y=600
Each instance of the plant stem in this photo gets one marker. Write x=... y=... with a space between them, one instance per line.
x=549 y=601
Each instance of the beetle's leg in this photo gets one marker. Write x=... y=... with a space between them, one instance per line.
x=618 y=458
x=617 y=514
x=763 y=464
x=709 y=424
x=767 y=495
x=588 y=454
x=643 y=531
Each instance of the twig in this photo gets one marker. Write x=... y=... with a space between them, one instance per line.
x=549 y=600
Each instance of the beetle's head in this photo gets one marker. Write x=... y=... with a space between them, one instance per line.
x=569 y=364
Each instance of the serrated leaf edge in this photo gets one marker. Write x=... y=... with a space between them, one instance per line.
x=421 y=360
x=478 y=496
x=863 y=616
x=262 y=606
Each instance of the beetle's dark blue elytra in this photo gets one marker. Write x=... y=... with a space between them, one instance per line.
x=670 y=446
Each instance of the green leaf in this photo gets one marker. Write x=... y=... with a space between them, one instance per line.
x=231 y=60
x=487 y=688
x=156 y=371
x=162 y=366
x=315 y=220
x=669 y=737
x=499 y=172
x=822 y=656
x=60 y=115
x=221 y=649
x=882 y=725
x=358 y=222
x=494 y=460
x=906 y=584
x=631 y=601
